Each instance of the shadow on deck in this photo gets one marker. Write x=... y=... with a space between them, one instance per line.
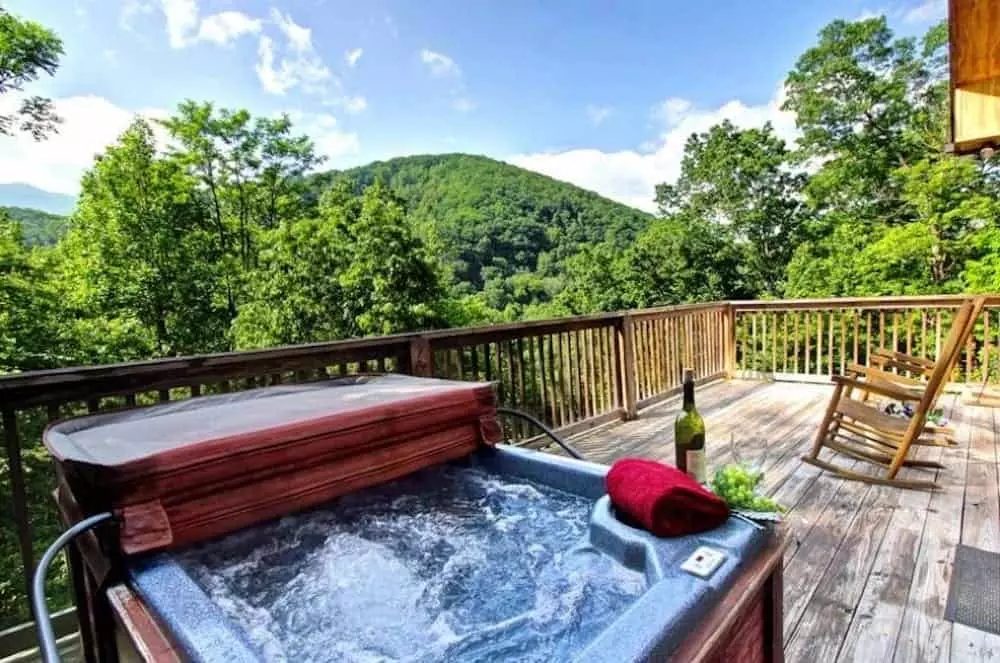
x=867 y=577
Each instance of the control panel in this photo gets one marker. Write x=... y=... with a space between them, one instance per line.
x=704 y=561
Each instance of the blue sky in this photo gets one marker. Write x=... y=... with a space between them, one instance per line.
x=602 y=94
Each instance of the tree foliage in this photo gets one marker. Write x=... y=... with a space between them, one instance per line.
x=355 y=270
x=27 y=51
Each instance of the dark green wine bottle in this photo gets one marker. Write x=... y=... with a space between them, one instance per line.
x=689 y=434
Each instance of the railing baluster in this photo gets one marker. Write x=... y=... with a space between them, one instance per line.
x=881 y=329
x=923 y=332
x=857 y=318
x=986 y=346
x=909 y=332
x=795 y=325
x=556 y=384
x=843 y=343
x=19 y=498
x=829 y=345
x=935 y=341
x=545 y=368
x=808 y=338
x=895 y=331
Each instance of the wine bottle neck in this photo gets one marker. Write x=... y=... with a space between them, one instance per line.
x=689 y=396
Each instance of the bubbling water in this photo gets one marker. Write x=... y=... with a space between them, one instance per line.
x=451 y=563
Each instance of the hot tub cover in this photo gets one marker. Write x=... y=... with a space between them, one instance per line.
x=181 y=472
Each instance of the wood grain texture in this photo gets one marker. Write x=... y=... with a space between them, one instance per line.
x=974 y=41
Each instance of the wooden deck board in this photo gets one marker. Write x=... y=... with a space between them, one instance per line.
x=868 y=579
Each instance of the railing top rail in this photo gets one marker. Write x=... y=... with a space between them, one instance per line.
x=442 y=338
x=913 y=301
x=14 y=381
x=81 y=382
x=37 y=387
x=678 y=309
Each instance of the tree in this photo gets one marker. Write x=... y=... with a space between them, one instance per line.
x=860 y=97
x=28 y=311
x=251 y=174
x=357 y=270
x=594 y=281
x=742 y=181
x=140 y=249
x=27 y=50
x=681 y=259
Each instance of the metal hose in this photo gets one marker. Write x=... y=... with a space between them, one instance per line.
x=567 y=447
x=43 y=622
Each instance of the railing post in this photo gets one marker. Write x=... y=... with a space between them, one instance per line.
x=625 y=356
x=729 y=340
x=420 y=360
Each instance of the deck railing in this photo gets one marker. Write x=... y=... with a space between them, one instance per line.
x=811 y=339
x=573 y=373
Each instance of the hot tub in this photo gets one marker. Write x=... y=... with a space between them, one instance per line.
x=374 y=518
x=507 y=555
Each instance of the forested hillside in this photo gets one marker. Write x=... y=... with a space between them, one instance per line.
x=501 y=229
x=39 y=228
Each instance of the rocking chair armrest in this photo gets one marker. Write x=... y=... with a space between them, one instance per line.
x=880 y=388
x=857 y=370
x=885 y=363
x=903 y=358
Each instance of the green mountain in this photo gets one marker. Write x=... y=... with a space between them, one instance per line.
x=40 y=228
x=492 y=220
x=31 y=197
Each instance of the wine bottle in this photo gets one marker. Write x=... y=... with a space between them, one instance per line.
x=689 y=434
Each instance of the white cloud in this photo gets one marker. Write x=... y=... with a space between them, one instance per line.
x=442 y=66
x=89 y=125
x=354 y=105
x=324 y=130
x=278 y=75
x=300 y=65
x=225 y=27
x=867 y=14
x=270 y=78
x=597 y=114
x=672 y=110
x=439 y=63
x=926 y=11
x=131 y=9
x=630 y=176
x=352 y=56
x=299 y=37
x=182 y=20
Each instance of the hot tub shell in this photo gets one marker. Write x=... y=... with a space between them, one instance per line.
x=650 y=629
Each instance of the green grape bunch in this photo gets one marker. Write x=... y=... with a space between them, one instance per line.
x=737 y=485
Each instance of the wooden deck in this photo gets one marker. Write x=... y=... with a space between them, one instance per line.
x=867 y=578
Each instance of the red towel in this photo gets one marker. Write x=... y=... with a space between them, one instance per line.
x=662 y=499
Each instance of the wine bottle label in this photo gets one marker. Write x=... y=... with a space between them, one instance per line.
x=696 y=464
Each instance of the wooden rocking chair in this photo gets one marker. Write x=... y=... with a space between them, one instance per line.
x=855 y=428
x=915 y=372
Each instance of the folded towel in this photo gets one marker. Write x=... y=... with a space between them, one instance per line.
x=663 y=500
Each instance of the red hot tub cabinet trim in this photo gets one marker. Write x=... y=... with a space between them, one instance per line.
x=207 y=488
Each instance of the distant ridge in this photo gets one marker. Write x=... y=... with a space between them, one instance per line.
x=494 y=221
x=27 y=196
